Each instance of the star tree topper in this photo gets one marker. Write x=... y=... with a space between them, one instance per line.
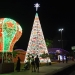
x=36 y=6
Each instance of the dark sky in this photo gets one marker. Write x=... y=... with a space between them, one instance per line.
x=52 y=17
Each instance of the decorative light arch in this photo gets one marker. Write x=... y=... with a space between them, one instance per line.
x=10 y=32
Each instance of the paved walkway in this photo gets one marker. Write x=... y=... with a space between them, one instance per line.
x=44 y=69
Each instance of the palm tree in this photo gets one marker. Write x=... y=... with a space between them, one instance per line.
x=49 y=43
x=15 y=53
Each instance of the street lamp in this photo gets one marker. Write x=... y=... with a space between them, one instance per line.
x=61 y=29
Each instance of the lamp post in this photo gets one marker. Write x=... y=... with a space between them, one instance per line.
x=61 y=29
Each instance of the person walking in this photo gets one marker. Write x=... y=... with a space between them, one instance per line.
x=28 y=62
x=32 y=64
x=18 y=65
x=66 y=59
x=37 y=63
x=63 y=58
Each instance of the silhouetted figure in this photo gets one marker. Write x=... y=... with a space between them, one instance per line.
x=37 y=63
x=28 y=62
x=63 y=58
x=59 y=59
x=72 y=58
x=33 y=64
x=18 y=65
x=0 y=60
x=66 y=59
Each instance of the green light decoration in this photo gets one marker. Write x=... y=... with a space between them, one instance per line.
x=10 y=32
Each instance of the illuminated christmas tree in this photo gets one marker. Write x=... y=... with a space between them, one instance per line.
x=36 y=45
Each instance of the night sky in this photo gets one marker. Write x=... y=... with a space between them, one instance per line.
x=52 y=17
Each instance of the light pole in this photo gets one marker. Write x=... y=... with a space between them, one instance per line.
x=61 y=29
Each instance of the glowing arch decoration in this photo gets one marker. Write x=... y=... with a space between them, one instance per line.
x=10 y=32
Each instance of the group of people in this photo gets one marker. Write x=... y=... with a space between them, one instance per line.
x=66 y=59
x=34 y=64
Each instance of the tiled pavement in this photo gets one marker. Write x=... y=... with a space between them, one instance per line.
x=44 y=69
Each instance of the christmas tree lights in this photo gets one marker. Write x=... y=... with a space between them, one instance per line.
x=37 y=45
